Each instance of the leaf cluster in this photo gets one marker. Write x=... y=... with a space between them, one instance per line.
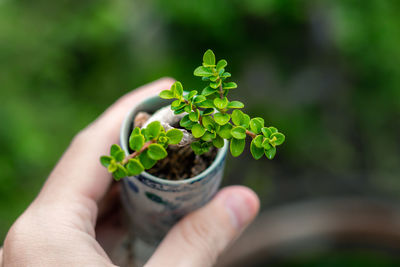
x=209 y=116
x=148 y=145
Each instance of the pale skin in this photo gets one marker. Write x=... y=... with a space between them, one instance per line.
x=59 y=226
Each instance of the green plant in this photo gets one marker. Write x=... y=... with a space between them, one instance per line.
x=209 y=119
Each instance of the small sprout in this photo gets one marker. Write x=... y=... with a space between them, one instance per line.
x=210 y=117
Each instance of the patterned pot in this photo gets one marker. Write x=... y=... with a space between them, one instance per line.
x=153 y=204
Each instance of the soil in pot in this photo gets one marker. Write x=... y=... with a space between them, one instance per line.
x=181 y=162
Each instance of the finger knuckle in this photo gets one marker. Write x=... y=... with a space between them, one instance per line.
x=196 y=234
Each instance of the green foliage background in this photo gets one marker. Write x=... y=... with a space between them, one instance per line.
x=326 y=73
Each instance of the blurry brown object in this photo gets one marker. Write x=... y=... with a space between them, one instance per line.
x=277 y=233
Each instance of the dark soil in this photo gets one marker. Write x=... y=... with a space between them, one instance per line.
x=181 y=163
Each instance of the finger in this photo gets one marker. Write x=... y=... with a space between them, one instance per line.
x=199 y=238
x=79 y=171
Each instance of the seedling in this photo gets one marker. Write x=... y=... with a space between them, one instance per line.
x=210 y=118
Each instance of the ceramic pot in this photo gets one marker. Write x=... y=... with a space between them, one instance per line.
x=153 y=204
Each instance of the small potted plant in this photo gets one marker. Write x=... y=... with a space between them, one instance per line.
x=173 y=154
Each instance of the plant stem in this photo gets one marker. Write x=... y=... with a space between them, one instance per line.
x=221 y=92
x=137 y=153
x=195 y=109
x=253 y=135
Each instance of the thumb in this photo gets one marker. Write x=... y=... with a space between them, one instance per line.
x=199 y=238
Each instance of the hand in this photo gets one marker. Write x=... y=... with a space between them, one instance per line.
x=58 y=228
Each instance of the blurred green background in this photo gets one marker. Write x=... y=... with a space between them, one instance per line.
x=326 y=73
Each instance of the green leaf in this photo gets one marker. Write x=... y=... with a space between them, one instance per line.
x=196 y=147
x=208 y=91
x=207 y=111
x=203 y=72
x=225 y=75
x=156 y=152
x=218 y=142
x=186 y=122
x=237 y=117
x=216 y=84
x=194 y=115
x=208 y=122
x=134 y=167
x=105 y=160
x=136 y=131
x=239 y=132
x=121 y=172
x=178 y=92
x=146 y=161
x=266 y=132
x=119 y=156
x=256 y=151
x=270 y=153
x=214 y=78
x=235 y=104
x=273 y=129
x=225 y=131
x=209 y=58
x=245 y=121
x=190 y=95
x=206 y=104
x=176 y=103
x=179 y=111
x=230 y=85
x=199 y=99
x=114 y=150
x=266 y=144
x=136 y=142
x=153 y=129
x=222 y=118
x=280 y=138
x=162 y=139
x=200 y=147
x=237 y=146
x=258 y=141
x=198 y=130
x=112 y=167
x=188 y=108
x=208 y=136
x=256 y=125
x=174 y=136
x=221 y=103
x=221 y=64
x=205 y=146
x=166 y=94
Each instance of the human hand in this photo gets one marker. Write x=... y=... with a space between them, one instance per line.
x=59 y=227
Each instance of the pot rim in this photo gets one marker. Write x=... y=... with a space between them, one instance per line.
x=125 y=127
